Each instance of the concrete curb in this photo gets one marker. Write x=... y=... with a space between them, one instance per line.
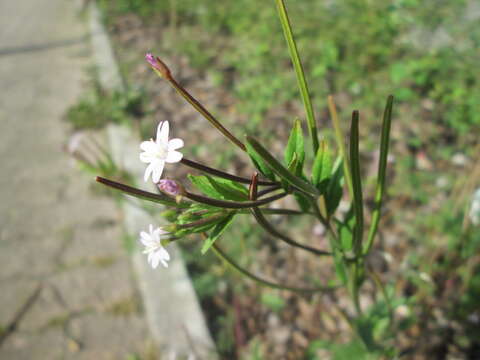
x=171 y=305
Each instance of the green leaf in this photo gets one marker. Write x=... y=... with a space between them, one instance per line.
x=273 y=302
x=352 y=350
x=196 y=212
x=382 y=168
x=259 y=163
x=335 y=187
x=340 y=267
x=302 y=201
x=295 y=147
x=322 y=167
x=345 y=230
x=281 y=170
x=217 y=232
x=301 y=80
x=219 y=188
x=357 y=183
x=197 y=229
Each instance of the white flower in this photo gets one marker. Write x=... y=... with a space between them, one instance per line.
x=153 y=247
x=157 y=153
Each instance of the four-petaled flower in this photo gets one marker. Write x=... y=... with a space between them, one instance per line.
x=153 y=247
x=157 y=153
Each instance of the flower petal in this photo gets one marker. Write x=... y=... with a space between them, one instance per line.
x=157 y=170
x=174 y=156
x=146 y=239
x=175 y=144
x=148 y=171
x=148 y=146
x=163 y=253
x=155 y=259
x=147 y=157
x=162 y=132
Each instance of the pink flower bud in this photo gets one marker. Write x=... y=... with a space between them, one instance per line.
x=170 y=187
x=151 y=59
x=158 y=65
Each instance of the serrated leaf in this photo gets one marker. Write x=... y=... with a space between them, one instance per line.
x=322 y=167
x=218 y=188
x=259 y=163
x=335 y=187
x=295 y=147
x=217 y=232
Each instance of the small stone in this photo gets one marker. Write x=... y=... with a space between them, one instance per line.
x=73 y=346
x=281 y=334
x=441 y=182
x=402 y=311
x=459 y=159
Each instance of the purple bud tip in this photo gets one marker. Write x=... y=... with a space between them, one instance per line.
x=170 y=187
x=151 y=59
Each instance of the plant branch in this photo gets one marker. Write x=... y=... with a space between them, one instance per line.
x=163 y=71
x=262 y=221
x=222 y=255
x=145 y=195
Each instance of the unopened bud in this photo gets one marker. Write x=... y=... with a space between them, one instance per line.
x=170 y=187
x=158 y=66
x=171 y=215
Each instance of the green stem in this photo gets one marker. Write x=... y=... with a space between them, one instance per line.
x=353 y=286
x=297 y=64
x=222 y=255
x=206 y=114
x=268 y=190
x=379 y=284
x=162 y=70
x=270 y=229
x=382 y=168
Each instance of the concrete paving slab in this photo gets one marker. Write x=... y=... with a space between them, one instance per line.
x=50 y=229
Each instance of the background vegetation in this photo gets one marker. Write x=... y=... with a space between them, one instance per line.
x=426 y=53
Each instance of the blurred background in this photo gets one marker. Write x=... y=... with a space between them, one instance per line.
x=232 y=56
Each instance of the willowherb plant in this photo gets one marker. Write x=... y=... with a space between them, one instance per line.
x=317 y=187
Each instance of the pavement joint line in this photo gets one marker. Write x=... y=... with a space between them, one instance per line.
x=27 y=305
x=171 y=305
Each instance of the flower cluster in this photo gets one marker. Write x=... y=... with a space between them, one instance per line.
x=156 y=154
